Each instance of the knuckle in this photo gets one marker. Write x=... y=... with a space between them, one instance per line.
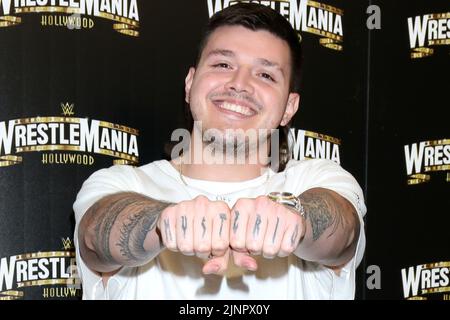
x=282 y=254
x=237 y=243
x=287 y=248
x=243 y=202
x=201 y=200
x=221 y=245
x=221 y=206
x=253 y=246
x=270 y=251
x=167 y=211
x=203 y=248
x=171 y=245
x=185 y=248
x=262 y=202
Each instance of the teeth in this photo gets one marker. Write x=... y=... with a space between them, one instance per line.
x=237 y=108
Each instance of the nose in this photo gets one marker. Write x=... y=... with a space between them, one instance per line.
x=240 y=82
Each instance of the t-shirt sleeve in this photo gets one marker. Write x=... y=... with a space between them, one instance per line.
x=318 y=173
x=119 y=178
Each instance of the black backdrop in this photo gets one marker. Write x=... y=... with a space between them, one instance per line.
x=371 y=95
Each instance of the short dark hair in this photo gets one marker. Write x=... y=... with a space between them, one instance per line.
x=259 y=17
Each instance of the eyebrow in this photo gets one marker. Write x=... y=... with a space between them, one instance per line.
x=221 y=52
x=270 y=64
x=261 y=61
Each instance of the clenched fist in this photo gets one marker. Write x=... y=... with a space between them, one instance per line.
x=198 y=227
x=262 y=226
x=210 y=229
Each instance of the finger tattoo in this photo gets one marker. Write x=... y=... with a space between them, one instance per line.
x=184 y=225
x=235 y=223
x=203 y=226
x=167 y=230
x=275 y=232
x=223 y=217
x=256 y=227
x=294 y=235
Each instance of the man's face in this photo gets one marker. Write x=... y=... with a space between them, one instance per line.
x=242 y=81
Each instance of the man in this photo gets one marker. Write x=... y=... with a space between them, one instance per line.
x=207 y=229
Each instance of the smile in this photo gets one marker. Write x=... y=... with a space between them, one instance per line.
x=235 y=108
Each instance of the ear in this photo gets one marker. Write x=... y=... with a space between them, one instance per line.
x=188 y=84
x=291 y=108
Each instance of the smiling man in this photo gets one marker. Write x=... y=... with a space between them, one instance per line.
x=268 y=229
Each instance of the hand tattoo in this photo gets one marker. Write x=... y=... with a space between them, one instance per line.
x=322 y=211
x=275 y=232
x=184 y=225
x=235 y=223
x=167 y=230
x=294 y=235
x=256 y=227
x=203 y=226
x=223 y=217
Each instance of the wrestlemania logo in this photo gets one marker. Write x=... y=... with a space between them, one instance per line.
x=425 y=157
x=313 y=145
x=67 y=133
x=54 y=271
x=426 y=279
x=426 y=31
x=73 y=14
x=307 y=16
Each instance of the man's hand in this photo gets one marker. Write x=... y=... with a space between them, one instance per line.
x=198 y=227
x=262 y=226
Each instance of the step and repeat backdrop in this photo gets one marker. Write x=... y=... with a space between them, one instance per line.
x=86 y=84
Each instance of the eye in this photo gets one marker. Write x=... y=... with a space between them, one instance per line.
x=222 y=65
x=267 y=76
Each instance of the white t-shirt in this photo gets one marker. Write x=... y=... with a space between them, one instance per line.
x=175 y=276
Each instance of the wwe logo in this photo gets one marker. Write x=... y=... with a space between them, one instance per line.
x=67 y=243
x=67 y=109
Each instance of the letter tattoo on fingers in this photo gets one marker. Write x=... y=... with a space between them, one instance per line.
x=203 y=226
x=275 y=232
x=184 y=225
x=223 y=217
x=167 y=230
x=294 y=235
x=256 y=226
x=235 y=223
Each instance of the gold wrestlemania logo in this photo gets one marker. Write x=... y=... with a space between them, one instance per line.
x=426 y=279
x=67 y=133
x=54 y=271
x=426 y=31
x=73 y=14
x=304 y=15
x=425 y=157
x=312 y=145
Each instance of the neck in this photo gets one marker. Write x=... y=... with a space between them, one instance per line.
x=222 y=172
x=202 y=164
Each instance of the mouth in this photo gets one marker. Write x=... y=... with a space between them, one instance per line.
x=238 y=108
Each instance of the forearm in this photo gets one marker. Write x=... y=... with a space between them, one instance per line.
x=120 y=230
x=332 y=228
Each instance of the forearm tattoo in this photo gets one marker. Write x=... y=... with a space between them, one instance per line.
x=223 y=217
x=167 y=230
x=275 y=231
x=184 y=225
x=104 y=224
x=322 y=211
x=133 y=230
x=235 y=223
x=256 y=226
x=204 y=226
